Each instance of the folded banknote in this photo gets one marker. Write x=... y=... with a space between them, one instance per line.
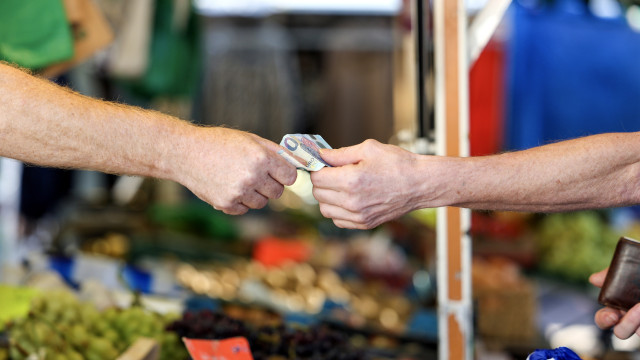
x=303 y=151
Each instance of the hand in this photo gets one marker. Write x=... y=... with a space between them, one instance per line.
x=369 y=185
x=235 y=171
x=626 y=322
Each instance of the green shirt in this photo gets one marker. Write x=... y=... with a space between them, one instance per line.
x=34 y=33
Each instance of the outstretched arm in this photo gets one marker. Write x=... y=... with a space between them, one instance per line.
x=44 y=124
x=373 y=183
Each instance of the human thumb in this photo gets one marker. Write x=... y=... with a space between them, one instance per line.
x=597 y=279
x=340 y=157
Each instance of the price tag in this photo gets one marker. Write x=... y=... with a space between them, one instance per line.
x=236 y=348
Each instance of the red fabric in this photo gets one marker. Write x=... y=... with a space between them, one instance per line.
x=486 y=101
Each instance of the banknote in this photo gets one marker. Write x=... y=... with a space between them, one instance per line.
x=303 y=151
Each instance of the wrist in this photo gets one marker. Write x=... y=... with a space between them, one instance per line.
x=178 y=151
x=441 y=181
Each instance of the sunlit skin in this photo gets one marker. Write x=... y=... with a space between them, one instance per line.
x=372 y=183
x=48 y=125
x=624 y=323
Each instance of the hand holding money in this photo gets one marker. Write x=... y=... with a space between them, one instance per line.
x=370 y=183
x=235 y=171
x=303 y=151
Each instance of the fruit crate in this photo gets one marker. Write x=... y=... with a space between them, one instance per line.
x=505 y=302
x=508 y=314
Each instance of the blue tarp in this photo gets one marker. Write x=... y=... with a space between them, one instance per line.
x=570 y=74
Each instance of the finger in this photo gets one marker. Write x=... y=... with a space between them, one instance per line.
x=271 y=189
x=629 y=323
x=343 y=156
x=349 y=225
x=283 y=172
x=328 y=196
x=338 y=213
x=254 y=200
x=237 y=209
x=597 y=279
x=279 y=168
x=331 y=178
x=606 y=318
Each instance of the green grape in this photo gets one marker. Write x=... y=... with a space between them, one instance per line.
x=23 y=345
x=100 y=327
x=92 y=355
x=54 y=340
x=74 y=355
x=111 y=335
x=38 y=305
x=99 y=345
x=59 y=327
x=78 y=336
x=171 y=346
x=16 y=354
x=68 y=316
x=39 y=332
x=56 y=356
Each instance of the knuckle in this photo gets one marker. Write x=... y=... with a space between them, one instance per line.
x=354 y=182
x=228 y=204
x=324 y=211
x=361 y=218
x=353 y=205
x=261 y=156
x=370 y=224
x=250 y=179
x=370 y=143
x=339 y=224
x=237 y=194
x=261 y=203
x=316 y=194
x=278 y=193
x=292 y=176
x=243 y=181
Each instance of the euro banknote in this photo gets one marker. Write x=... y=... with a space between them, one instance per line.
x=303 y=151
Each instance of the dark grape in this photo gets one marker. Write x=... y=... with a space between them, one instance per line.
x=277 y=342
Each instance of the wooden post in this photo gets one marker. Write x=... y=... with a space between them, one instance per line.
x=452 y=127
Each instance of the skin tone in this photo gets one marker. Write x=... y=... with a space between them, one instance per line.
x=44 y=124
x=624 y=323
x=372 y=183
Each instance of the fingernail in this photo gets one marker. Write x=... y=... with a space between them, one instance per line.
x=612 y=319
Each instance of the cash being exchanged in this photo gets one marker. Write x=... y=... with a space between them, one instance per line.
x=303 y=151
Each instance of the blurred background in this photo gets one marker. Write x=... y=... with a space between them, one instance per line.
x=146 y=258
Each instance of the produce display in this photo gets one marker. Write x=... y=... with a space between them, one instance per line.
x=575 y=245
x=300 y=288
x=60 y=327
x=271 y=342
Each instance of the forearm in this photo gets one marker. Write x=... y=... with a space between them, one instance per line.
x=44 y=124
x=593 y=172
